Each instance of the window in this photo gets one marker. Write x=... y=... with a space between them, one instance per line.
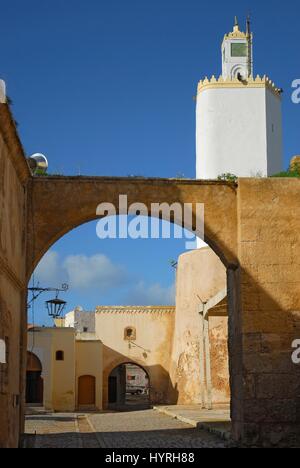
x=60 y=356
x=130 y=334
x=239 y=49
x=85 y=329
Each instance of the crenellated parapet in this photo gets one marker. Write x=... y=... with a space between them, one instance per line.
x=258 y=82
x=135 y=310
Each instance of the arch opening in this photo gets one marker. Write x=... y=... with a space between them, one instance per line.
x=34 y=381
x=131 y=343
x=129 y=388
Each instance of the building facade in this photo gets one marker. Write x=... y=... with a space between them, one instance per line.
x=64 y=370
x=133 y=335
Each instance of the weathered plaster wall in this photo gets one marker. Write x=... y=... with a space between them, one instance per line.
x=200 y=276
x=151 y=349
x=14 y=174
x=218 y=335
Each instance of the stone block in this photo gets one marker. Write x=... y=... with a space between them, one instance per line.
x=278 y=386
x=271 y=411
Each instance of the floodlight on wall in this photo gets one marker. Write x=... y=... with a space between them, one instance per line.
x=38 y=163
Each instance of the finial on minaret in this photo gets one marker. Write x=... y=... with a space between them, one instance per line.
x=248 y=27
x=236 y=24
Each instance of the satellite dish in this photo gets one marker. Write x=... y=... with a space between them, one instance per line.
x=38 y=163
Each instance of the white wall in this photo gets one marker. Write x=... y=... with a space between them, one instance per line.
x=80 y=320
x=274 y=133
x=235 y=132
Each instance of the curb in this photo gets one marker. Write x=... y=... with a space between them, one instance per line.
x=224 y=435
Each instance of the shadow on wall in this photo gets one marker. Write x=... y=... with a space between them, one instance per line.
x=161 y=389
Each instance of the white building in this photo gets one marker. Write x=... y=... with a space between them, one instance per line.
x=82 y=321
x=238 y=117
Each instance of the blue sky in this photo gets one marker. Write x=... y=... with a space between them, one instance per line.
x=105 y=87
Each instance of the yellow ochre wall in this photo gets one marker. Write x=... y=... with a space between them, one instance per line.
x=61 y=377
x=151 y=349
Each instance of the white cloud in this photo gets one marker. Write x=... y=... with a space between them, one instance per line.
x=80 y=272
x=97 y=271
x=48 y=270
x=155 y=294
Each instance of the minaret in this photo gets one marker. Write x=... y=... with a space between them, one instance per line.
x=238 y=117
x=237 y=53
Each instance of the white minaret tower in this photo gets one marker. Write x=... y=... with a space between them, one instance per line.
x=238 y=117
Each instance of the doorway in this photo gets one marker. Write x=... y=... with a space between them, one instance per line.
x=87 y=391
x=34 y=381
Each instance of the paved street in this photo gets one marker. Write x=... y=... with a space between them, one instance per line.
x=143 y=429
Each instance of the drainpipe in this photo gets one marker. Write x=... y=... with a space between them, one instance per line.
x=207 y=358
x=202 y=356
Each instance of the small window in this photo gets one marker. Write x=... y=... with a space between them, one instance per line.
x=60 y=356
x=130 y=334
x=85 y=329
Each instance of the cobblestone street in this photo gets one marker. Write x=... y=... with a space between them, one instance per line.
x=143 y=429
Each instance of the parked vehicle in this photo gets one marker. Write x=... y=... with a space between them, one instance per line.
x=135 y=390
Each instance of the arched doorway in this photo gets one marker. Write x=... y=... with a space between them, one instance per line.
x=34 y=381
x=86 y=391
x=128 y=387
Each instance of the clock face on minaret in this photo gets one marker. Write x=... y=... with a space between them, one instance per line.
x=237 y=54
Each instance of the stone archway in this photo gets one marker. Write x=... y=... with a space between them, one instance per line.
x=57 y=205
x=108 y=370
x=122 y=394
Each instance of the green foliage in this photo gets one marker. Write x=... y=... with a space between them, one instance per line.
x=228 y=177
x=289 y=173
x=40 y=173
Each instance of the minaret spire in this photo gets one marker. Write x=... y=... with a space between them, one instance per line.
x=236 y=24
x=248 y=26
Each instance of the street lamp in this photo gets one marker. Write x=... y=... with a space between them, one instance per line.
x=55 y=307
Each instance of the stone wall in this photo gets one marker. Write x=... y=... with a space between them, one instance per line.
x=14 y=174
x=265 y=381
